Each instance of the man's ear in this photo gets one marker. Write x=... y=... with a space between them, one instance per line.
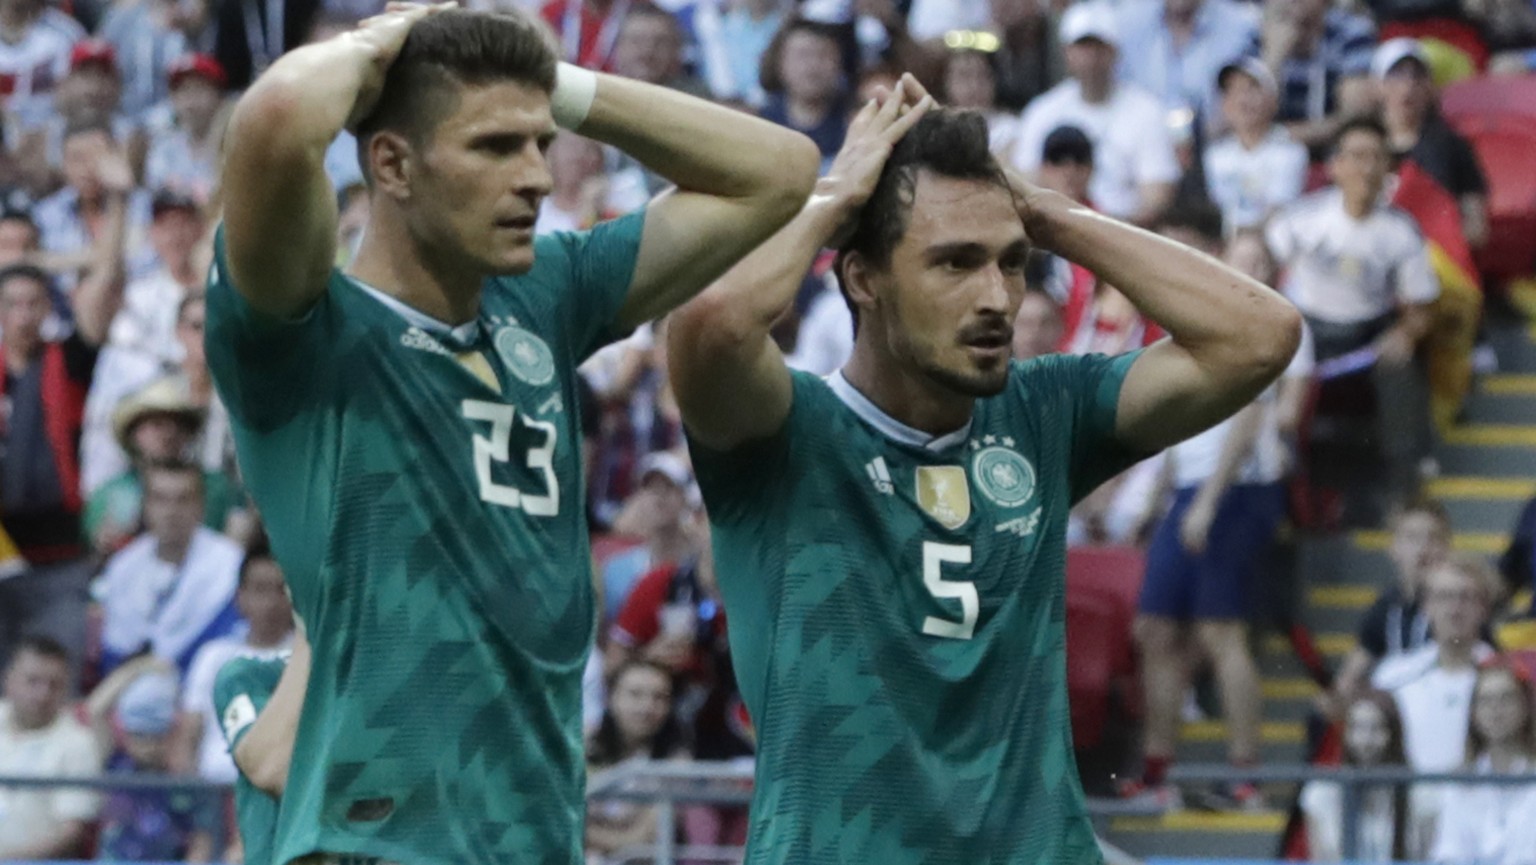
x=391 y=164
x=860 y=282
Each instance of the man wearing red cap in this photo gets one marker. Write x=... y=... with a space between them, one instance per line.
x=90 y=94
x=184 y=153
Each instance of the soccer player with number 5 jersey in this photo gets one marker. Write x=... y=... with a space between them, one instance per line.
x=890 y=540
x=408 y=428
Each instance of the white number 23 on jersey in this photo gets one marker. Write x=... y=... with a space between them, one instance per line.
x=495 y=449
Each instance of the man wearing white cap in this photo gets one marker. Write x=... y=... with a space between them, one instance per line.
x=1134 y=166
x=1258 y=167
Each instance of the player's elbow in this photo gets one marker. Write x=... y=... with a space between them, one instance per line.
x=1275 y=343
x=790 y=175
x=266 y=771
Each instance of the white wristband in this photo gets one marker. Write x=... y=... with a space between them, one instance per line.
x=575 y=88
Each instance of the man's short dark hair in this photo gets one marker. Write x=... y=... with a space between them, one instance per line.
x=452 y=49
x=1201 y=217
x=259 y=550
x=946 y=142
x=1362 y=123
x=42 y=646
x=25 y=271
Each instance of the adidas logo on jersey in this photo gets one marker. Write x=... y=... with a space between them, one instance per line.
x=877 y=472
x=420 y=340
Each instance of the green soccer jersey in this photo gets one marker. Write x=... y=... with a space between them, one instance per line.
x=422 y=489
x=896 y=607
x=240 y=692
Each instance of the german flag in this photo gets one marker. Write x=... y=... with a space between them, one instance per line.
x=1460 y=306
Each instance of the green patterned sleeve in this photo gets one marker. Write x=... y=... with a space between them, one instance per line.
x=240 y=691
x=595 y=268
x=1092 y=383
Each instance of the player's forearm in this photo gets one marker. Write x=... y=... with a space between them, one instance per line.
x=703 y=147
x=1230 y=324
x=751 y=297
x=99 y=295
x=266 y=749
x=301 y=103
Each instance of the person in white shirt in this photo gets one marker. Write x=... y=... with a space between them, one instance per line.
x=1135 y=168
x=1373 y=738
x=1202 y=563
x=1358 y=270
x=1433 y=685
x=263 y=603
x=172 y=589
x=1257 y=168
x=37 y=737
x=1174 y=48
x=1491 y=825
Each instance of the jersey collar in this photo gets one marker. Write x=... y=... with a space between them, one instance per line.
x=888 y=426
x=463 y=334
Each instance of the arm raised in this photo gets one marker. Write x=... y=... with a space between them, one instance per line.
x=1229 y=336
x=280 y=212
x=728 y=374
x=739 y=179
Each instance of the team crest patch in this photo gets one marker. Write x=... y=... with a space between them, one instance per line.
x=942 y=491
x=1003 y=475
x=526 y=355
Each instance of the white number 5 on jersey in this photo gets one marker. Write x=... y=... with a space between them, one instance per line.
x=496 y=449
x=934 y=557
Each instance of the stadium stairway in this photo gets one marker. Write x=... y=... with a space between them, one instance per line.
x=1488 y=472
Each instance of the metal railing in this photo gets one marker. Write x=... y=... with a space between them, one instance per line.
x=670 y=785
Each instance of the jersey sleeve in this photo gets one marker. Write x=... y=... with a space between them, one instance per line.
x=595 y=269
x=735 y=483
x=266 y=367
x=240 y=691
x=1081 y=394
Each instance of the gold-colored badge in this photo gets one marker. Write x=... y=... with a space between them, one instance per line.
x=945 y=494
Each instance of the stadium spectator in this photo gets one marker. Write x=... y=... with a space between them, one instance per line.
x=588 y=29
x=150 y=825
x=578 y=194
x=970 y=81
x=1134 y=164
x=1257 y=168
x=1066 y=166
x=649 y=48
x=172 y=589
x=38 y=738
x=1455 y=24
x=35 y=41
x=142 y=345
x=1488 y=824
x=1037 y=328
x=1174 y=48
x=733 y=35
x=1321 y=55
x=1373 y=738
x=639 y=726
x=19 y=239
x=149 y=36
x=804 y=75
x=1028 y=58
x=1396 y=622
x=1433 y=684
x=73 y=222
x=1358 y=270
x=1204 y=558
x=262 y=600
x=156 y=424
x=249 y=35
x=44 y=384
x=658 y=513
x=1410 y=109
x=90 y=93
x=185 y=139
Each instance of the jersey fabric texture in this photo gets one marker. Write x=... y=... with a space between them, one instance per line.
x=240 y=693
x=897 y=620
x=422 y=489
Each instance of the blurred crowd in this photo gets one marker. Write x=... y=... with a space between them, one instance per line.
x=1299 y=140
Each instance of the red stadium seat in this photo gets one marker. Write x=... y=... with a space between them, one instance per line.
x=1498 y=115
x=1102 y=586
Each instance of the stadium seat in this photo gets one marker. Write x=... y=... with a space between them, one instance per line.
x=1102 y=586
x=1498 y=115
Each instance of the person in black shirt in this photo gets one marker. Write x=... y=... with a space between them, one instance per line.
x=1396 y=622
x=1416 y=131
